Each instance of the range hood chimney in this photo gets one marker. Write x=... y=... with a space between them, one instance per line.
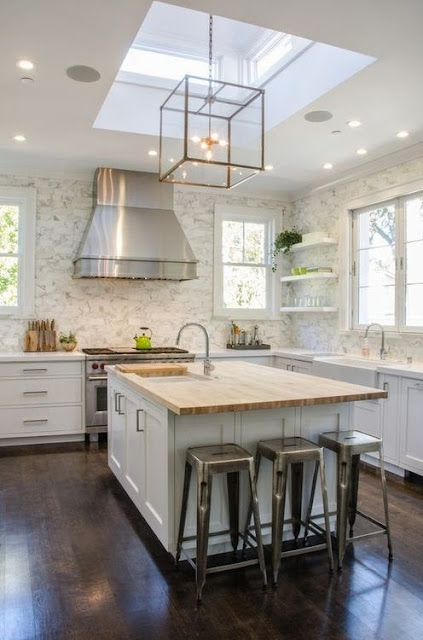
x=133 y=231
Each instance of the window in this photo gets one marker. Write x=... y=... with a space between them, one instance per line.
x=17 y=238
x=387 y=267
x=161 y=64
x=244 y=286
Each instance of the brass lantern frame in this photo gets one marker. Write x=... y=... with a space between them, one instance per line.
x=234 y=169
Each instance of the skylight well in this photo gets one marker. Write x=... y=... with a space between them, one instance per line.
x=162 y=65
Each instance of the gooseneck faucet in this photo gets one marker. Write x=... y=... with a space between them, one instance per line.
x=207 y=362
x=382 y=351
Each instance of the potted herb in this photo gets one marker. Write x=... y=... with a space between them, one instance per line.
x=67 y=341
x=284 y=241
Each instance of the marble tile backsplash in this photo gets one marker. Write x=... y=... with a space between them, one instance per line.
x=322 y=211
x=109 y=312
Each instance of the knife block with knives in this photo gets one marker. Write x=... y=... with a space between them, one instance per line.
x=40 y=336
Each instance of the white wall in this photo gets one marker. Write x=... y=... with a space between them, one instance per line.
x=109 y=312
x=323 y=211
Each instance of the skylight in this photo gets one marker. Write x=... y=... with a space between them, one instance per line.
x=163 y=65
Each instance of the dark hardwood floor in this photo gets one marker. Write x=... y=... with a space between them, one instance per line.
x=78 y=561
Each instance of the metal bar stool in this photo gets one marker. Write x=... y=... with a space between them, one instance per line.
x=210 y=460
x=348 y=446
x=293 y=451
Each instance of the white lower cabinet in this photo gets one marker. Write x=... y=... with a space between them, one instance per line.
x=41 y=400
x=411 y=437
x=137 y=453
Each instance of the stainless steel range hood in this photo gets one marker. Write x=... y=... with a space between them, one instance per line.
x=133 y=231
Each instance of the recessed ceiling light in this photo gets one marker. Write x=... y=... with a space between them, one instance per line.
x=25 y=64
x=354 y=123
x=336 y=132
x=19 y=138
x=402 y=134
x=171 y=159
x=82 y=73
x=152 y=152
x=318 y=116
x=361 y=151
x=328 y=165
x=268 y=167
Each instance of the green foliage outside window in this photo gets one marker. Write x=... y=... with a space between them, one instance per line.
x=9 y=236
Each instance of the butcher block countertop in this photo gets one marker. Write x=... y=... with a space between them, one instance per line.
x=243 y=386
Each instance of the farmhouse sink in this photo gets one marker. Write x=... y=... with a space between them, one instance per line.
x=349 y=369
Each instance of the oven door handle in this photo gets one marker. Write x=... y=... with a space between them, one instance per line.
x=93 y=378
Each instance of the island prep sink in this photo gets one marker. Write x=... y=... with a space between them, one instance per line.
x=188 y=377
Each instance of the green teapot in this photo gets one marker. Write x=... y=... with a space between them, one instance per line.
x=143 y=341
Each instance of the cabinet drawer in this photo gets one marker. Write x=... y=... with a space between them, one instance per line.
x=40 y=369
x=37 y=392
x=40 y=421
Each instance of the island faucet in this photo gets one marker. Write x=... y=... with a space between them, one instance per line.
x=382 y=351
x=207 y=362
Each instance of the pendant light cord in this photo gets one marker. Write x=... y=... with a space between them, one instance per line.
x=210 y=67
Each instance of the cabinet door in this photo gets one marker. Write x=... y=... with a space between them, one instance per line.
x=135 y=450
x=390 y=418
x=411 y=439
x=301 y=366
x=368 y=418
x=156 y=490
x=116 y=431
x=282 y=363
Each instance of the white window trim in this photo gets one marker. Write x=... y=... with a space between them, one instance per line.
x=221 y=213
x=346 y=249
x=25 y=197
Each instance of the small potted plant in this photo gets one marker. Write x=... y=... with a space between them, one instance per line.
x=67 y=341
x=284 y=241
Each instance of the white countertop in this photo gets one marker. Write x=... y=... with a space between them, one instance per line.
x=40 y=356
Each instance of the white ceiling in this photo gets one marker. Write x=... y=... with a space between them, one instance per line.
x=56 y=114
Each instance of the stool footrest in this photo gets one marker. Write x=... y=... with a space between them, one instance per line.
x=370 y=534
x=371 y=519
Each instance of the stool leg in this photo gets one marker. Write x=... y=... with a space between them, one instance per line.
x=352 y=503
x=278 y=510
x=343 y=485
x=311 y=501
x=385 y=502
x=204 y=487
x=232 y=480
x=321 y=465
x=257 y=525
x=247 y=524
x=296 y=498
x=185 y=493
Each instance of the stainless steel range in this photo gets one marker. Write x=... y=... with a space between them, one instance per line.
x=96 y=377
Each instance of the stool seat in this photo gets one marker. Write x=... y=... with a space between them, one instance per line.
x=289 y=447
x=356 y=441
x=207 y=461
x=293 y=452
x=219 y=456
x=348 y=446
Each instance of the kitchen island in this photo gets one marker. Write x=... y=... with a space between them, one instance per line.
x=153 y=420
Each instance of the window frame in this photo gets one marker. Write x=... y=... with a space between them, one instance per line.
x=244 y=214
x=399 y=200
x=25 y=198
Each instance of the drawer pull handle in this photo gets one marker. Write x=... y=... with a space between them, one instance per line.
x=34 y=393
x=120 y=412
x=95 y=378
x=33 y=370
x=386 y=386
x=35 y=420
x=138 y=419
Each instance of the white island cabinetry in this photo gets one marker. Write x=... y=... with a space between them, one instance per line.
x=41 y=399
x=152 y=422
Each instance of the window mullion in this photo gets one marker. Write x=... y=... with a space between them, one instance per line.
x=400 y=266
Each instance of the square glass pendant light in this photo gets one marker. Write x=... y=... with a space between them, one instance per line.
x=211 y=132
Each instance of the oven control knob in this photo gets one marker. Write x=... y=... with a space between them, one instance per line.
x=103 y=364
x=95 y=365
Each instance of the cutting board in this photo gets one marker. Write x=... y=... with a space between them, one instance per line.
x=154 y=369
